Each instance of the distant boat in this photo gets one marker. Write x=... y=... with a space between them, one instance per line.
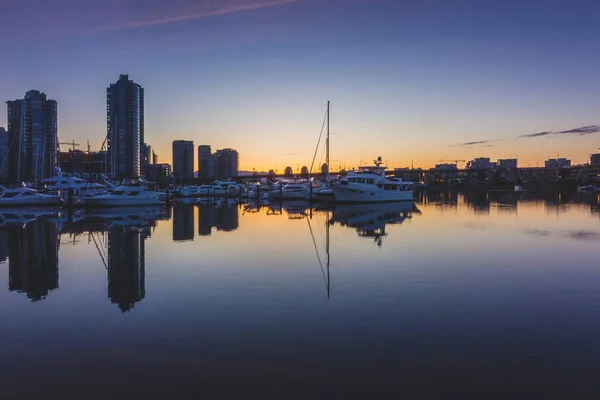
x=589 y=188
x=518 y=188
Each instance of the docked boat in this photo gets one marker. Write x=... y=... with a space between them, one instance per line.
x=124 y=195
x=24 y=196
x=63 y=181
x=291 y=191
x=370 y=185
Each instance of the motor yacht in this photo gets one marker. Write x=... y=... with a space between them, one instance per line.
x=369 y=184
x=127 y=194
x=291 y=191
x=26 y=196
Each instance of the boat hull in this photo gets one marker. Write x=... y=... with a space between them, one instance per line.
x=288 y=195
x=344 y=194
x=41 y=200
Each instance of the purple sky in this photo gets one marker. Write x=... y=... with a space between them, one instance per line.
x=409 y=80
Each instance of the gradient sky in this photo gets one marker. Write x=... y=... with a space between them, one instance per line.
x=415 y=80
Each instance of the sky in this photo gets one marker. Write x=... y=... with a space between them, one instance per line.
x=413 y=81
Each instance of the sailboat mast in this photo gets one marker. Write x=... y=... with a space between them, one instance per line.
x=327 y=142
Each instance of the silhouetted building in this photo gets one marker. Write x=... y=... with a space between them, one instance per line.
x=183 y=222
x=33 y=258
x=4 y=245
x=79 y=162
x=288 y=171
x=183 y=161
x=304 y=170
x=510 y=163
x=595 y=159
x=160 y=173
x=154 y=157
x=452 y=167
x=324 y=169
x=146 y=158
x=125 y=127
x=4 y=143
x=126 y=267
x=206 y=163
x=32 y=140
x=226 y=163
x=480 y=163
x=557 y=163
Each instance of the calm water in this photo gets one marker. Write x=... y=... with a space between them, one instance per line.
x=474 y=294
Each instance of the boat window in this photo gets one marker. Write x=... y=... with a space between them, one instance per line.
x=394 y=187
x=10 y=195
x=133 y=193
x=371 y=181
x=64 y=183
x=386 y=186
x=117 y=192
x=26 y=194
x=379 y=185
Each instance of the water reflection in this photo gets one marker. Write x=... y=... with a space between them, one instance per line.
x=370 y=220
x=31 y=244
x=221 y=216
x=126 y=264
x=183 y=222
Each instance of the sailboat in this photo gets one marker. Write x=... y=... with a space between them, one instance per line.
x=323 y=192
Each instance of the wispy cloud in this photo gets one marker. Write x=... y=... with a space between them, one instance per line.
x=73 y=17
x=584 y=130
x=198 y=9
x=485 y=143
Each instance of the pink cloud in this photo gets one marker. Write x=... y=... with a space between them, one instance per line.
x=73 y=17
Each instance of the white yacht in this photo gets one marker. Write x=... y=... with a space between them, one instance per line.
x=63 y=181
x=370 y=185
x=124 y=195
x=297 y=191
x=26 y=196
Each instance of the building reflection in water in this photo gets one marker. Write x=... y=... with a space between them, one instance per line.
x=32 y=249
x=222 y=216
x=126 y=266
x=183 y=222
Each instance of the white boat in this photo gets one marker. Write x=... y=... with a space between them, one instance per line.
x=370 y=185
x=518 y=188
x=322 y=193
x=63 y=181
x=26 y=196
x=124 y=195
x=291 y=191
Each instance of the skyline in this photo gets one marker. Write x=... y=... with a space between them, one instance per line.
x=413 y=82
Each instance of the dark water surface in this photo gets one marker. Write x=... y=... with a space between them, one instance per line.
x=483 y=295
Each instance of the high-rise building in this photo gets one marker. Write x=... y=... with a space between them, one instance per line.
x=226 y=163
x=146 y=158
x=125 y=127
x=206 y=163
x=160 y=173
x=595 y=159
x=4 y=143
x=183 y=161
x=154 y=157
x=32 y=141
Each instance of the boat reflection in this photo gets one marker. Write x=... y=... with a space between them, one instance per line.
x=370 y=220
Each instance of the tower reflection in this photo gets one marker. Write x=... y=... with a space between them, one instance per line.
x=32 y=249
x=183 y=222
x=222 y=216
x=126 y=266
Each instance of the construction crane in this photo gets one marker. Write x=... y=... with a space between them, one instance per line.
x=72 y=143
x=455 y=161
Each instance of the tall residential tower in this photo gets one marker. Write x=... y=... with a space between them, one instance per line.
x=125 y=127
x=183 y=161
x=31 y=144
